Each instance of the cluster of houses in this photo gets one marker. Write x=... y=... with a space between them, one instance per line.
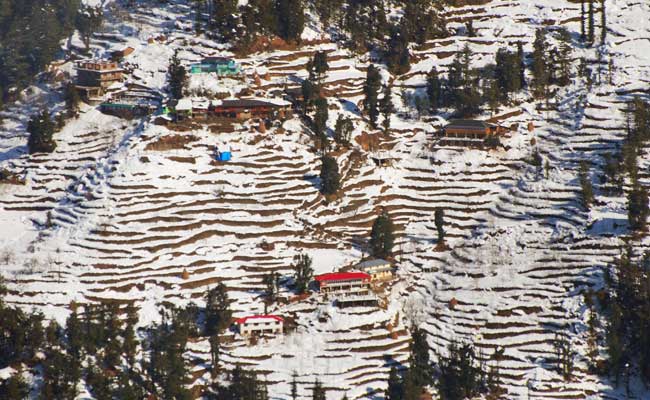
x=235 y=109
x=352 y=288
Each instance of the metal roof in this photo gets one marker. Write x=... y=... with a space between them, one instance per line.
x=342 y=276
x=372 y=263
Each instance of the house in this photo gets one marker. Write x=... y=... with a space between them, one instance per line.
x=260 y=324
x=379 y=270
x=362 y=300
x=467 y=132
x=94 y=77
x=344 y=283
x=222 y=66
x=243 y=109
x=200 y=108
x=132 y=101
x=120 y=54
x=182 y=108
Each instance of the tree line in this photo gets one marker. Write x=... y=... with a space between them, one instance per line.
x=31 y=32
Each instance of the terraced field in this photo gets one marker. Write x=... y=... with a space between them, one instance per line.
x=115 y=215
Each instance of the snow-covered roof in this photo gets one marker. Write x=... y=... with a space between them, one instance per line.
x=259 y=318
x=184 y=104
x=373 y=264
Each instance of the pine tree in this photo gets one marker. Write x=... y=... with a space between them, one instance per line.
x=397 y=56
x=329 y=175
x=294 y=386
x=130 y=342
x=540 y=68
x=585 y=185
x=270 y=282
x=303 y=272
x=41 y=132
x=177 y=77
x=434 y=89
x=591 y=23
x=89 y=20
x=320 y=122
x=460 y=376
x=420 y=364
x=318 y=392
x=382 y=237
x=583 y=34
x=371 y=92
x=72 y=98
x=223 y=19
x=439 y=216
x=318 y=67
x=310 y=92
x=395 y=390
x=638 y=208
x=217 y=310
x=14 y=388
x=387 y=108
x=343 y=130
x=603 y=22
x=215 y=351
x=291 y=19
x=74 y=334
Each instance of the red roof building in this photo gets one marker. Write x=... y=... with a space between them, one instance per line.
x=344 y=283
x=260 y=324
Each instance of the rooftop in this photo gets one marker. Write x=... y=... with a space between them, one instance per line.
x=259 y=318
x=467 y=124
x=341 y=276
x=372 y=263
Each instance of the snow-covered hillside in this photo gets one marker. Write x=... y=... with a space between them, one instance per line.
x=107 y=217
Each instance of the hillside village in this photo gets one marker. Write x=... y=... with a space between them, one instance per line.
x=190 y=210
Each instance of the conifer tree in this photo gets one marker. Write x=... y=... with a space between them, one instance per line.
x=270 y=282
x=343 y=130
x=41 y=132
x=217 y=309
x=460 y=376
x=387 y=108
x=638 y=211
x=303 y=272
x=420 y=364
x=540 y=68
x=318 y=392
x=177 y=77
x=395 y=390
x=294 y=386
x=439 y=216
x=14 y=388
x=74 y=334
x=397 y=57
x=592 y=27
x=434 y=89
x=603 y=22
x=329 y=175
x=291 y=19
x=382 y=237
x=320 y=122
x=583 y=34
x=317 y=67
x=371 y=92
x=215 y=351
x=585 y=185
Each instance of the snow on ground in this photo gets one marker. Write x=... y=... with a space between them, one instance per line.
x=107 y=217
